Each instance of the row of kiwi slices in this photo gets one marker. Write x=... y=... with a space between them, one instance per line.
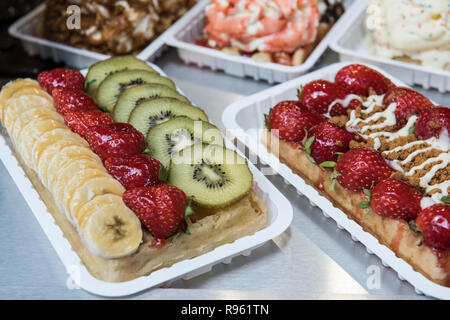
x=178 y=134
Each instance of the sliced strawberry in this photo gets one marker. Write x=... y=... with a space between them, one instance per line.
x=289 y=120
x=61 y=78
x=361 y=168
x=134 y=171
x=434 y=225
x=395 y=199
x=115 y=140
x=79 y=121
x=359 y=79
x=329 y=142
x=432 y=121
x=67 y=100
x=162 y=209
x=408 y=102
x=319 y=95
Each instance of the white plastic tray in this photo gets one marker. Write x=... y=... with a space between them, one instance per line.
x=280 y=215
x=24 y=28
x=348 y=41
x=184 y=35
x=247 y=117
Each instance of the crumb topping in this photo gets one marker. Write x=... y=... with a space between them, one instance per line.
x=423 y=163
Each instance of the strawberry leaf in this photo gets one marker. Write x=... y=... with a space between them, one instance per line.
x=307 y=142
x=163 y=174
x=328 y=164
x=412 y=129
x=334 y=176
x=413 y=227
x=299 y=92
x=266 y=121
x=364 y=204
x=174 y=237
x=189 y=209
x=445 y=199
x=367 y=193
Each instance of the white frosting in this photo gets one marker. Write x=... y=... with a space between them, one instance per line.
x=344 y=102
x=419 y=29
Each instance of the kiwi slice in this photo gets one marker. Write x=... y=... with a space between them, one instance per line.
x=110 y=89
x=100 y=70
x=134 y=95
x=168 y=138
x=152 y=112
x=213 y=175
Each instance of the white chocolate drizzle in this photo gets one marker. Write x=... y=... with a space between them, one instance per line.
x=388 y=118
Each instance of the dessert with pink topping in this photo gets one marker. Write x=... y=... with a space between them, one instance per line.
x=280 y=31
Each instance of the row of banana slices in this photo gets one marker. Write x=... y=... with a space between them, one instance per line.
x=82 y=188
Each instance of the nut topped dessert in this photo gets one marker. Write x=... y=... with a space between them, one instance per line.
x=113 y=27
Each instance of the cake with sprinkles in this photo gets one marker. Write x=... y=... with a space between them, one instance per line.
x=414 y=31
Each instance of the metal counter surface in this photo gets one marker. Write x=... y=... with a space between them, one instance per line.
x=313 y=259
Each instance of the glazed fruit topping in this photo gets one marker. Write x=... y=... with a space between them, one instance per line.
x=432 y=121
x=115 y=140
x=408 y=102
x=320 y=95
x=134 y=171
x=80 y=121
x=162 y=209
x=361 y=168
x=67 y=100
x=291 y=119
x=360 y=80
x=61 y=78
x=395 y=199
x=434 y=225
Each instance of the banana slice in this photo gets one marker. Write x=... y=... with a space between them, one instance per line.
x=92 y=188
x=64 y=175
x=16 y=105
x=61 y=162
x=32 y=90
x=47 y=155
x=108 y=227
x=32 y=131
x=29 y=115
x=50 y=137
x=11 y=87
x=75 y=182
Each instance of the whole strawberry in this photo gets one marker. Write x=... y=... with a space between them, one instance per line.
x=161 y=208
x=115 y=140
x=321 y=95
x=434 y=224
x=432 y=121
x=408 y=102
x=361 y=168
x=67 y=100
x=359 y=79
x=329 y=142
x=134 y=171
x=80 y=121
x=291 y=119
x=395 y=199
x=61 y=78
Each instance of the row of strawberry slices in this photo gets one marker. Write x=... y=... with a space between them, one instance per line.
x=162 y=208
x=304 y=123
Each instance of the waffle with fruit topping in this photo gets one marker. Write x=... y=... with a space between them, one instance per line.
x=378 y=152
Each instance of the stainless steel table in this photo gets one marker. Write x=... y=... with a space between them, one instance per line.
x=313 y=259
